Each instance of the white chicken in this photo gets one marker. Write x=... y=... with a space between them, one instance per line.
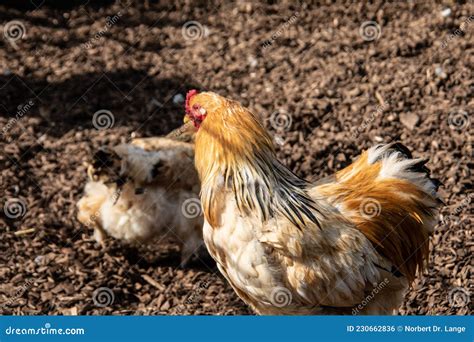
x=144 y=191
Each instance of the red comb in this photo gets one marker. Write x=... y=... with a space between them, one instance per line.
x=189 y=95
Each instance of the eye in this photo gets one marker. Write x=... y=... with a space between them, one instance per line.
x=196 y=107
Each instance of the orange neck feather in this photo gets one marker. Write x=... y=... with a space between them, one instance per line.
x=235 y=152
x=230 y=138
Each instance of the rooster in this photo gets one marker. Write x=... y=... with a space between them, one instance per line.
x=350 y=244
x=143 y=191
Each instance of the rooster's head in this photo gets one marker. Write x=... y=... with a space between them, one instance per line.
x=196 y=111
x=227 y=132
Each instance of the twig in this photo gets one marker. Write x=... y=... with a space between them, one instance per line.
x=380 y=99
x=24 y=231
x=153 y=282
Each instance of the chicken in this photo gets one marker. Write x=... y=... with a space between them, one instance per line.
x=350 y=244
x=145 y=191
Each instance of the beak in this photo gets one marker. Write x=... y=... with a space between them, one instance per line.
x=184 y=133
x=186 y=119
